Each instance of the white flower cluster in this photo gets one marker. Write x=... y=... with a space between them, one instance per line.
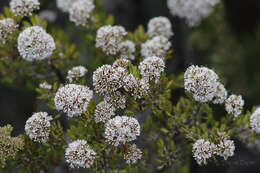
x=107 y=79
x=7 y=27
x=76 y=72
x=109 y=37
x=226 y=148
x=120 y=62
x=37 y=127
x=192 y=10
x=79 y=154
x=121 y=129
x=133 y=154
x=157 y=46
x=80 y=11
x=48 y=15
x=64 y=5
x=255 y=120
x=104 y=111
x=203 y=150
x=203 y=83
x=220 y=95
x=34 y=43
x=127 y=49
x=142 y=89
x=73 y=99
x=24 y=7
x=151 y=68
x=45 y=85
x=234 y=105
x=160 y=26
x=117 y=100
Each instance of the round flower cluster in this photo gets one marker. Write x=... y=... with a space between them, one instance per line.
x=117 y=100
x=45 y=85
x=127 y=49
x=80 y=11
x=234 y=105
x=104 y=111
x=160 y=26
x=220 y=95
x=202 y=82
x=79 y=154
x=192 y=10
x=133 y=154
x=255 y=120
x=76 y=72
x=157 y=46
x=109 y=37
x=37 y=127
x=121 y=63
x=34 y=43
x=130 y=83
x=151 y=68
x=203 y=150
x=24 y=7
x=7 y=27
x=107 y=80
x=64 y=5
x=73 y=99
x=121 y=129
x=226 y=148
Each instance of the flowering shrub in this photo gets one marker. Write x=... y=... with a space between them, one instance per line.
x=118 y=105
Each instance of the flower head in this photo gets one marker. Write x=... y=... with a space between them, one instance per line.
x=45 y=85
x=79 y=154
x=226 y=148
x=133 y=154
x=192 y=10
x=80 y=11
x=7 y=27
x=73 y=99
x=160 y=26
x=104 y=111
x=121 y=129
x=127 y=49
x=203 y=150
x=117 y=100
x=76 y=72
x=109 y=37
x=157 y=46
x=37 y=127
x=121 y=63
x=220 y=95
x=151 y=68
x=234 y=105
x=24 y=7
x=34 y=43
x=255 y=120
x=202 y=82
x=64 y=5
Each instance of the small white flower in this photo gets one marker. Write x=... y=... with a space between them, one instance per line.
x=127 y=49
x=37 y=127
x=226 y=148
x=203 y=150
x=24 y=7
x=192 y=10
x=79 y=154
x=64 y=5
x=157 y=46
x=151 y=68
x=34 y=43
x=202 y=82
x=255 y=120
x=220 y=95
x=73 y=99
x=133 y=154
x=160 y=26
x=109 y=37
x=104 y=111
x=117 y=100
x=142 y=90
x=121 y=63
x=76 y=72
x=234 y=105
x=7 y=27
x=121 y=129
x=80 y=11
